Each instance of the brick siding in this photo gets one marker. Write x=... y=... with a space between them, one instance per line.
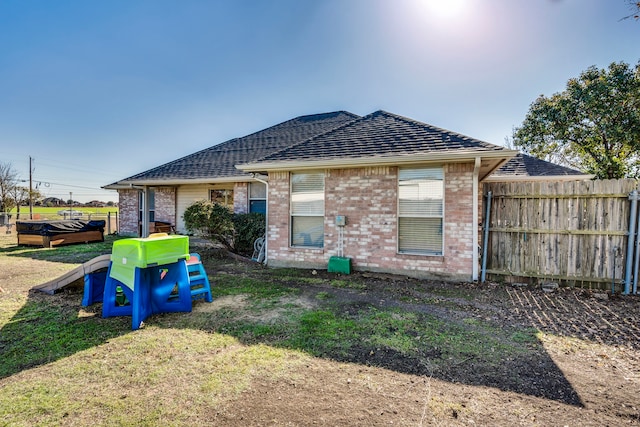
x=165 y=208
x=128 y=211
x=241 y=197
x=368 y=198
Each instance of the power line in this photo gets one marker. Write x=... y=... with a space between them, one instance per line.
x=47 y=183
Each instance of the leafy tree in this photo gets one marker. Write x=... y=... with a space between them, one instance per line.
x=634 y=7
x=593 y=125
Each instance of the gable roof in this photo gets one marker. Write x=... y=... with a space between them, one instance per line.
x=382 y=138
x=216 y=163
x=523 y=167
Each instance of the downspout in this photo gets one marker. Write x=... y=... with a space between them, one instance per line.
x=631 y=241
x=474 y=225
x=266 y=217
x=636 y=265
x=485 y=238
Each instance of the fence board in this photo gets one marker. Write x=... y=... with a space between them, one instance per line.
x=572 y=231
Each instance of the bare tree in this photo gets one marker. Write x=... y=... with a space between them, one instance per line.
x=8 y=181
x=20 y=196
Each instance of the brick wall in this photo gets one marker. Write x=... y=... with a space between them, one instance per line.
x=165 y=204
x=368 y=198
x=241 y=197
x=128 y=211
x=165 y=208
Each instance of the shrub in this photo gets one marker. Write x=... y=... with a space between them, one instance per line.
x=216 y=222
x=248 y=227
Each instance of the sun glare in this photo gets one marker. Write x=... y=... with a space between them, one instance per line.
x=446 y=10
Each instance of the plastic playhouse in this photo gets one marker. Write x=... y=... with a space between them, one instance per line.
x=149 y=275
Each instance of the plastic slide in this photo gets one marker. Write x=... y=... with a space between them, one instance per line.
x=90 y=266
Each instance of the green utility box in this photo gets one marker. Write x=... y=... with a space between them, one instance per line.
x=127 y=254
x=338 y=264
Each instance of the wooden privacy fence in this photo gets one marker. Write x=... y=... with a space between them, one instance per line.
x=573 y=232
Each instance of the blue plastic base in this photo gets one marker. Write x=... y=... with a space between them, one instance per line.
x=157 y=289
x=93 y=288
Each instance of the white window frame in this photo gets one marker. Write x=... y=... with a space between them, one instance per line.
x=254 y=199
x=311 y=208
x=416 y=204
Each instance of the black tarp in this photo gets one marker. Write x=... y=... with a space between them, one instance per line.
x=50 y=228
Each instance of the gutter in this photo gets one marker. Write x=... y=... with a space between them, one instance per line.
x=373 y=161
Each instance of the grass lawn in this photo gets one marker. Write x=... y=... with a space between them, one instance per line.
x=293 y=347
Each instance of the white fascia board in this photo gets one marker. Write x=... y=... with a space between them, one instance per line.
x=445 y=157
x=172 y=182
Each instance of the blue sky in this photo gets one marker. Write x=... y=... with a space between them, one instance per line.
x=96 y=91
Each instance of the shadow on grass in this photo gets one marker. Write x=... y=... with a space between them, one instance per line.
x=345 y=325
x=75 y=253
x=428 y=347
x=48 y=328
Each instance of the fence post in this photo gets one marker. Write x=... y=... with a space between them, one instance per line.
x=631 y=240
x=485 y=240
x=109 y=223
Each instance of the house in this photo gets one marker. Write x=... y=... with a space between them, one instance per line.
x=410 y=192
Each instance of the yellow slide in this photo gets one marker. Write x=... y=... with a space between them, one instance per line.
x=90 y=266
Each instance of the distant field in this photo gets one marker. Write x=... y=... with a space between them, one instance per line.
x=61 y=212
x=54 y=210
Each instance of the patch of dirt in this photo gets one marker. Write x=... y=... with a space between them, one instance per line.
x=237 y=302
x=585 y=369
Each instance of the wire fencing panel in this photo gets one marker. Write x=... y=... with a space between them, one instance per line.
x=574 y=232
x=8 y=219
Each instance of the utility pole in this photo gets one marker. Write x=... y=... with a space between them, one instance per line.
x=30 y=189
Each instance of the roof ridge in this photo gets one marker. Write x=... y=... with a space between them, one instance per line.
x=335 y=129
x=296 y=119
x=433 y=127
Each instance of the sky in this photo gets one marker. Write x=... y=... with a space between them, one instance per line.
x=97 y=91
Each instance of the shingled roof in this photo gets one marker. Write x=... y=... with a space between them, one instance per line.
x=340 y=139
x=525 y=167
x=380 y=134
x=382 y=138
x=217 y=162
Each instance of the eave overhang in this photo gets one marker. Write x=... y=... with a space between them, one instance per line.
x=491 y=160
x=126 y=184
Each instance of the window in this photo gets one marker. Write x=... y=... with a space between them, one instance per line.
x=420 y=210
x=307 y=209
x=257 y=197
x=152 y=204
x=222 y=197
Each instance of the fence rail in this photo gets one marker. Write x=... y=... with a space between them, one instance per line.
x=575 y=232
x=8 y=219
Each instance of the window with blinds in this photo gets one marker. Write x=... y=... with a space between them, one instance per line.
x=420 y=210
x=307 y=209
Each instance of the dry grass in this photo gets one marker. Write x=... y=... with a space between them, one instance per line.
x=251 y=357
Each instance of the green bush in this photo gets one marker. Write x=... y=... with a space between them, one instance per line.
x=196 y=217
x=248 y=227
x=216 y=222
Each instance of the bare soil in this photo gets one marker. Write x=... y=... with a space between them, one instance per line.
x=585 y=369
